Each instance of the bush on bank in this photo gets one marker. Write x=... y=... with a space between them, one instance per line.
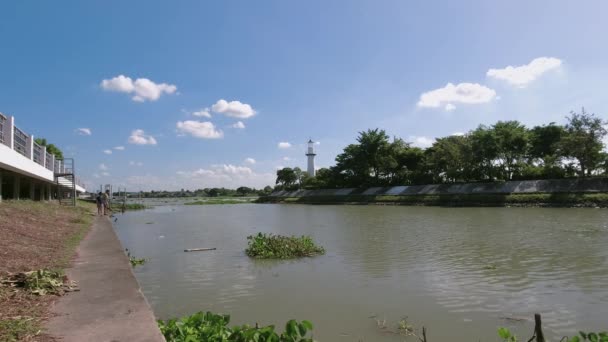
x=210 y=327
x=270 y=246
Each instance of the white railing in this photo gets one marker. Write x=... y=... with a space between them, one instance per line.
x=48 y=161
x=20 y=141
x=38 y=155
x=2 y=126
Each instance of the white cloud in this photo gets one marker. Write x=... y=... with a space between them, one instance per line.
x=449 y=107
x=468 y=93
x=103 y=167
x=284 y=145
x=105 y=174
x=458 y=134
x=521 y=75
x=107 y=151
x=83 y=131
x=142 y=89
x=139 y=137
x=239 y=125
x=250 y=161
x=96 y=175
x=286 y=158
x=199 y=129
x=133 y=163
x=119 y=148
x=202 y=113
x=226 y=175
x=234 y=109
x=422 y=142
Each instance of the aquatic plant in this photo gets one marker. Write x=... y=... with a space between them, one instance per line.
x=207 y=326
x=221 y=201
x=270 y=246
x=133 y=260
x=539 y=336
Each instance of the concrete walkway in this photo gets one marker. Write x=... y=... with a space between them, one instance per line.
x=109 y=305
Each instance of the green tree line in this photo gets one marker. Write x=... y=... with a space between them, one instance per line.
x=507 y=150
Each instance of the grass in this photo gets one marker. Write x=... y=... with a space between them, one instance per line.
x=18 y=329
x=213 y=201
x=38 y=242
x=127 y=206
x=270 y=246
x=529 y=199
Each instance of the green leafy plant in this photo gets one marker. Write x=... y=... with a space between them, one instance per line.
x=40 y=282
x=506 y=335
x=270 y=246
x=210 y=327
x=593 y=337
x=133 y=260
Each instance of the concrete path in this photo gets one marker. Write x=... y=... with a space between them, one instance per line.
x=109 y=305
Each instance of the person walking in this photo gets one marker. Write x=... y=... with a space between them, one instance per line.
x=106 y=202
x=98 y=200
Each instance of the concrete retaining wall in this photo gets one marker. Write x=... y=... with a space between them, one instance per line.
x=576 y=185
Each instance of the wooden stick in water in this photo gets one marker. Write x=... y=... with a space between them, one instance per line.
x=199 y=249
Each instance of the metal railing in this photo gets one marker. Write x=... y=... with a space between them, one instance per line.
x=2 y=123
x=58 y=168
x=38 y=154
x=48 y=161
x=20 y=141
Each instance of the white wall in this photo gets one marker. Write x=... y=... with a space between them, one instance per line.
x=13 y=161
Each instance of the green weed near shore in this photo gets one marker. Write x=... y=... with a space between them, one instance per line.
x=127 y=207
x=221 y=201
x=212 y=327
x=270 y=246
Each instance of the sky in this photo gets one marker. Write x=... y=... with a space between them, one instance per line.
x=194 y=94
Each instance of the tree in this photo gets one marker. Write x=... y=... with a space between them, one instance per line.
x=545 y=152
x=450 y=159
x=243 y=191
x=365 y=163
x=583 y=140
x=50 y=148
x=484 y=148
x=300 y=176
x=511 y=146
x=286 y=177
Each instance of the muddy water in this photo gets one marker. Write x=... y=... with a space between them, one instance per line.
x=461 y=272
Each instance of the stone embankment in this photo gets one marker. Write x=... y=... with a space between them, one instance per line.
x=587 y=192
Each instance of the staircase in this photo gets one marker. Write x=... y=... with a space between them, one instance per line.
x=66 y=182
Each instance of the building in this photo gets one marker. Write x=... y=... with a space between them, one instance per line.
x=310 y=153
x=28 y=171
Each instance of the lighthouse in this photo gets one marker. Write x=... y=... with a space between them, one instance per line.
x=310 y=153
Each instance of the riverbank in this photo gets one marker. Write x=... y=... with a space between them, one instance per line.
x=588 y=200
x=35 y=235
x=109 y=305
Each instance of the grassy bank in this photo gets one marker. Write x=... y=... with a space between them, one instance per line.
x=35 y=235
x=127 y=207
x=456 y=200
x=230 y=200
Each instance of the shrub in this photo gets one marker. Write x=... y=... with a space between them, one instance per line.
x=210 y=327
x=270 y=246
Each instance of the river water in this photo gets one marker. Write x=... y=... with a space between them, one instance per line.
x=461 y=272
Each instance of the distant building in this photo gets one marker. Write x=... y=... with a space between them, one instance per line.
x=310 y=153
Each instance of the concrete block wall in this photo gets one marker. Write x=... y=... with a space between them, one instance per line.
x=587 y=185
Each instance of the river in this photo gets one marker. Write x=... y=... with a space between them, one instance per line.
x=461 y=272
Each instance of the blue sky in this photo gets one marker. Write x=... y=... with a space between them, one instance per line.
x=288 y=71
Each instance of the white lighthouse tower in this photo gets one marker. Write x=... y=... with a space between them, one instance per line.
x=310 y=153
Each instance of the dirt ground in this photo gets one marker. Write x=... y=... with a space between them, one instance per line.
x=35 y=235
